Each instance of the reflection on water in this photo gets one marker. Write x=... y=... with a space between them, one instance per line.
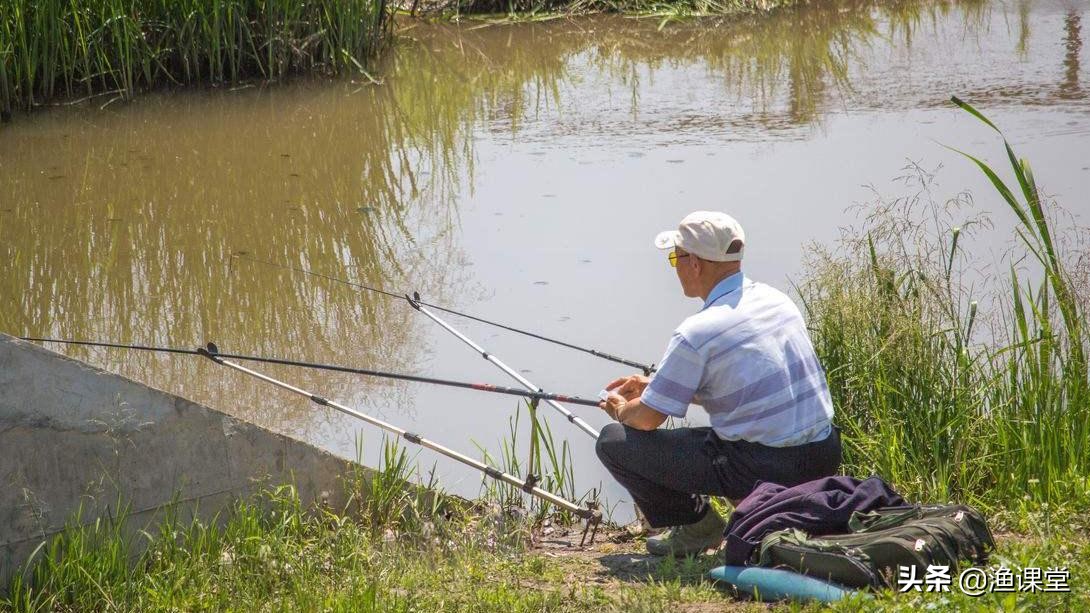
x=1069 y=87
x=121 y=223
x=770 y=73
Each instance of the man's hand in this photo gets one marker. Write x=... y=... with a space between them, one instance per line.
x=612 y=404
x=628 y=387
x=623 y=403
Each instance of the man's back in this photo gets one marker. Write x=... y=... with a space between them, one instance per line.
x=748 y=359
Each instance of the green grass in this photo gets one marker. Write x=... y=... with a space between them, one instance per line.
x=546 y=459
x=943 y=397
x=52 y=49
x=269 y=553
x=394 y=547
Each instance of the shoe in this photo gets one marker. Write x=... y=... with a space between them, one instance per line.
x=690 y=539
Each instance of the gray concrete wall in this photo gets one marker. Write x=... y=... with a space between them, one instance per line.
x=73 y=435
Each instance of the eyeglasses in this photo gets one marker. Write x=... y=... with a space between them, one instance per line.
x=674 y=257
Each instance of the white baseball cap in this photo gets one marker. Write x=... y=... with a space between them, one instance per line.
x=705 y=234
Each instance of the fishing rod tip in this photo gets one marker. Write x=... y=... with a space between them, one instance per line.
x=414 y=300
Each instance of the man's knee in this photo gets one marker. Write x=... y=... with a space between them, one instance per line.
x=610 y=440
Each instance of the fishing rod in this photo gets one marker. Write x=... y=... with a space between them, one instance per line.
x=415 y=302
x=591 y=514
x=483 y=387
x=646 y=368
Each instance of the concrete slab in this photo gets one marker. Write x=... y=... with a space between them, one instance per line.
x=74 y=437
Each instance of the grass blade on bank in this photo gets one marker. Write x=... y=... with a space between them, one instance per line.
x=945 y=407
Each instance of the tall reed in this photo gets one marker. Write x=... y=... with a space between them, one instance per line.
x=67 y=48
x=944 y=399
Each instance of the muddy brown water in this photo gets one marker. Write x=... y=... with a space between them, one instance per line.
x=518 y=172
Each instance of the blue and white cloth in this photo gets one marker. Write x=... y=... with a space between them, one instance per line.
x=747 y=358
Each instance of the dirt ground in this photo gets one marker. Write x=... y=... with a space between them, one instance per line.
x=617 y=560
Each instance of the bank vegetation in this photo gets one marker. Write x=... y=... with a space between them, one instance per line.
x=64 y=51
x=953 y=377
x=75 y=49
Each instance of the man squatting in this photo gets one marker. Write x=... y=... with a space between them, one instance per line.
x=747 y=358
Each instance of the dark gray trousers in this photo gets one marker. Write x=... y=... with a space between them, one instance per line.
x=668 y=472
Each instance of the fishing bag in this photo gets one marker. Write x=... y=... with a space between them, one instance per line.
x=880 y=542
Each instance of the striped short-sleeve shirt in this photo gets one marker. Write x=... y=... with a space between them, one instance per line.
x=747 y=358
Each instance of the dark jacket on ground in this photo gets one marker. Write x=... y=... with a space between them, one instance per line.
x=818 y=507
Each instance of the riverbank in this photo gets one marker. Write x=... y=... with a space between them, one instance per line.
x=399 y=556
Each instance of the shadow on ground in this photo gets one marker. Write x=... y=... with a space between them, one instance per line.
x=639 y=567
